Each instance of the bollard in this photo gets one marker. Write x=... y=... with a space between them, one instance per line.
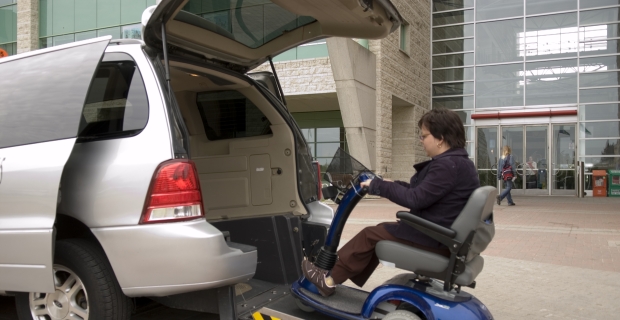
x=581 y=179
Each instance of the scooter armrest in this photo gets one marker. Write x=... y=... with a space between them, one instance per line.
x=420 y=224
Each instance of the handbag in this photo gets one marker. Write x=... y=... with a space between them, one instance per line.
x=507 y=173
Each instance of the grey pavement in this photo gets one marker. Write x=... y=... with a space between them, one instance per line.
x=551 y=258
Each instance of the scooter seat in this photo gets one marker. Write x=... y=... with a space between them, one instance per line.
x=467 y=237
x=426 y=263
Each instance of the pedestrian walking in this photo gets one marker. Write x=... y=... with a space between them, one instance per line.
x=506 y=171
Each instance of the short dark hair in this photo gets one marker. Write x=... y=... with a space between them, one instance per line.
x=444 y=124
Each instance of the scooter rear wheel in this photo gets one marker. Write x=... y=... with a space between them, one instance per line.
x=401 y=315
x=302 y=306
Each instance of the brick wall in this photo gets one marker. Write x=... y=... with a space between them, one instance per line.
x=408 y=78
x=306 y=76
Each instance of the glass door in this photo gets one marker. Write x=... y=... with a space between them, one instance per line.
x=563 y=175
x=513 y=137
x=487 y=155
x=535 y=162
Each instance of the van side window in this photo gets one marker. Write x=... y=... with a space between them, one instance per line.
x=116 y=104
x=229 y=114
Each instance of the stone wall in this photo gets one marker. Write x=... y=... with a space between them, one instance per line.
x=306 y=76
x=406 y=76
x=27 y=25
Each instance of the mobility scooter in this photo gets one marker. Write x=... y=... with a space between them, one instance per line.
x=433 y=289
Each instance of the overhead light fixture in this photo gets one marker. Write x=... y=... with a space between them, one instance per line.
x=194 y=75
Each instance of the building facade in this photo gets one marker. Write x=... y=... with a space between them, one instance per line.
x=541 y=76
x=364 y=96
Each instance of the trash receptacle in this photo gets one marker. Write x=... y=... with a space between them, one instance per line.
x=614 y=183
x=599 y=187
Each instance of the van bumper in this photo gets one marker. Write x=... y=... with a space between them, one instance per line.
x=172 y=258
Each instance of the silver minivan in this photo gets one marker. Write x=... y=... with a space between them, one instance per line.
x=158 y=168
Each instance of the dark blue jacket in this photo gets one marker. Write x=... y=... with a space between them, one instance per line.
x=437 y=192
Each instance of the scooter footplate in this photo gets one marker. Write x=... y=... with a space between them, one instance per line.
x=344 y=299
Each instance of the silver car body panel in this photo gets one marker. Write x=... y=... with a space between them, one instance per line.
x=171 y=258
x=372 y=19
x=320 y=213
x=105 y=186
x=28 y=199
x=106 y=182
x=42 y=98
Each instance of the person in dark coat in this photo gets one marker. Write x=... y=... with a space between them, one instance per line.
x=438 y=192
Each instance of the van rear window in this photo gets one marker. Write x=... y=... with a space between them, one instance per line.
x=116 y=104
x=229 y=114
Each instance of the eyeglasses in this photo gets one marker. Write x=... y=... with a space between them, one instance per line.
x=422 y=137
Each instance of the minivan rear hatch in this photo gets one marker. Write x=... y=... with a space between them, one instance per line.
x=245 y=33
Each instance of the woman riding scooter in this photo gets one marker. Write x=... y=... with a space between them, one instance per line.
x=437 y=192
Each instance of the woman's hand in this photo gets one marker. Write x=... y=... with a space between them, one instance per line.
x=366 y=183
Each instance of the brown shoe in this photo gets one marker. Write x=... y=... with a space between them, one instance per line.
x=317 y=276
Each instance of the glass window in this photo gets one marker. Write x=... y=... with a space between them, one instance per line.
x=599 y=95
x=466 y=102
x=584 y=4
x=486 y=10
x=551 y=82
x=328 y=135
x=609 y=129
x=599 y=112
x=599 y=79
x=453 y=60
x=65 y=21
x=550 y=37
x=58 y=40
x=599 y=47
x=85 y=35
x=8 y=20
x=10 y=48
x=599 y=16
x=453 y=17
x=499 y=86
x=601 y=163
x=453 y=46
x=326 y=149
x=404 y=37
x=602 y=147
x=115 y=32
x=462 y=31
x=7 y=2
x=228 y=114
x=544 y=6
x=453 y=74
x=498 y=41
x=599 y=32
x=465 y=116
x=445 y=5
x=453 y=89
x=116 y=101
x=599 y=64
x=251 y=23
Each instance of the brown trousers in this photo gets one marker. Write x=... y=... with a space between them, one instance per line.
x=357 y=259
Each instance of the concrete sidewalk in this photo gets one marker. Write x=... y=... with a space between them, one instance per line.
x=552 y=257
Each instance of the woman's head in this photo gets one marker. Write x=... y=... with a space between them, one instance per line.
x=440 y=130
x=506 y=150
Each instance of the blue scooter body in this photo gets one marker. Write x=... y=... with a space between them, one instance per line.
x=428 y=297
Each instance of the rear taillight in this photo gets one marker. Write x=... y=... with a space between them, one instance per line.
x=174 y=194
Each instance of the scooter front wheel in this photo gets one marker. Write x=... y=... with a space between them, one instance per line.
x=401 y=315
x=302 y=306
